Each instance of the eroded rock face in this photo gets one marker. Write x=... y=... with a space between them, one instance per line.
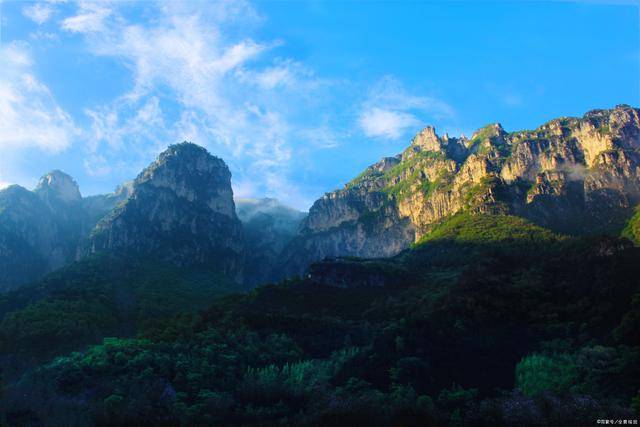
x=181 y=209
x=573 y=175
x=57 y=186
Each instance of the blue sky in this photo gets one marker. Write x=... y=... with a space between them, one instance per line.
x=297 y=97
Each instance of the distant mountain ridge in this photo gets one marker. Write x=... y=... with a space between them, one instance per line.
x=179 y=209
x=572 y=175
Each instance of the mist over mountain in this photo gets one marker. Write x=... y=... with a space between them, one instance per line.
x=268 y=227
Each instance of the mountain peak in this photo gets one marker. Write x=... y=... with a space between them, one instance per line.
x=427 y=139
x=59 y=185
x=181 y=209
x=490 y=130
x=185 y=148
x=192 y=173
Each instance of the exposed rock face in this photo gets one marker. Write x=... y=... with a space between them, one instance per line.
x=268 y=227
x=574 y=175
x=181 y=209
x=57 y=186
x=40 y=230
x=61 y=195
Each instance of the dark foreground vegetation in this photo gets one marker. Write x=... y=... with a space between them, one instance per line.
x=488 y=321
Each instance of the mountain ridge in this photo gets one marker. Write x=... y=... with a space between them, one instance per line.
x=573 y=175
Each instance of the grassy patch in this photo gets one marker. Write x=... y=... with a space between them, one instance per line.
x=632 y=229
x=480 y=228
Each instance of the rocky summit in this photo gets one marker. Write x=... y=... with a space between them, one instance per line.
x=572 y=175
x=180 y=209
x=58 y=186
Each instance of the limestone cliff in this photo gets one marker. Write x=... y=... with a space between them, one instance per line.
x=574 y=175
x=180 y=209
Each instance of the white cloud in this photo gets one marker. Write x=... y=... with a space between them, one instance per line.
x=15 y=57
x=193 y=80
x=284 y=73
x=389 y=110
x=90 y=18
x=244 y=188
x=96 y=165
x=38 y=12
x=29 y=114
x=4 y=185
x=323 y=136
x=376 y=122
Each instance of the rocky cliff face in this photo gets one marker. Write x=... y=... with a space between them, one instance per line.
x=180 y=209
x=268 y=227
x=40 y=230
x=574 y=175
x=26 y=236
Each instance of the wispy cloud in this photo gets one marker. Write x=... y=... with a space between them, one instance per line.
x=90 y=18
x=378 y=122
x=230 y=96
x=29 y=114
x=283 y=73
x=390 y=110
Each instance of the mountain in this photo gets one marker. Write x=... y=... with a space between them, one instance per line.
x=571 y=175
x=500 y=303
x=40 y=230
x=268 y=227
x=180 y=209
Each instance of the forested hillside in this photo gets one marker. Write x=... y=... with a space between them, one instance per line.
x=488 y=320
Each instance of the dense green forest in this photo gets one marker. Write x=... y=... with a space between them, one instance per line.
x=489 y=320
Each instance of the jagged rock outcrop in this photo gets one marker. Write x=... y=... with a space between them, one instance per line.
x=268 y=227
x=180 y=209
x=573 y=175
